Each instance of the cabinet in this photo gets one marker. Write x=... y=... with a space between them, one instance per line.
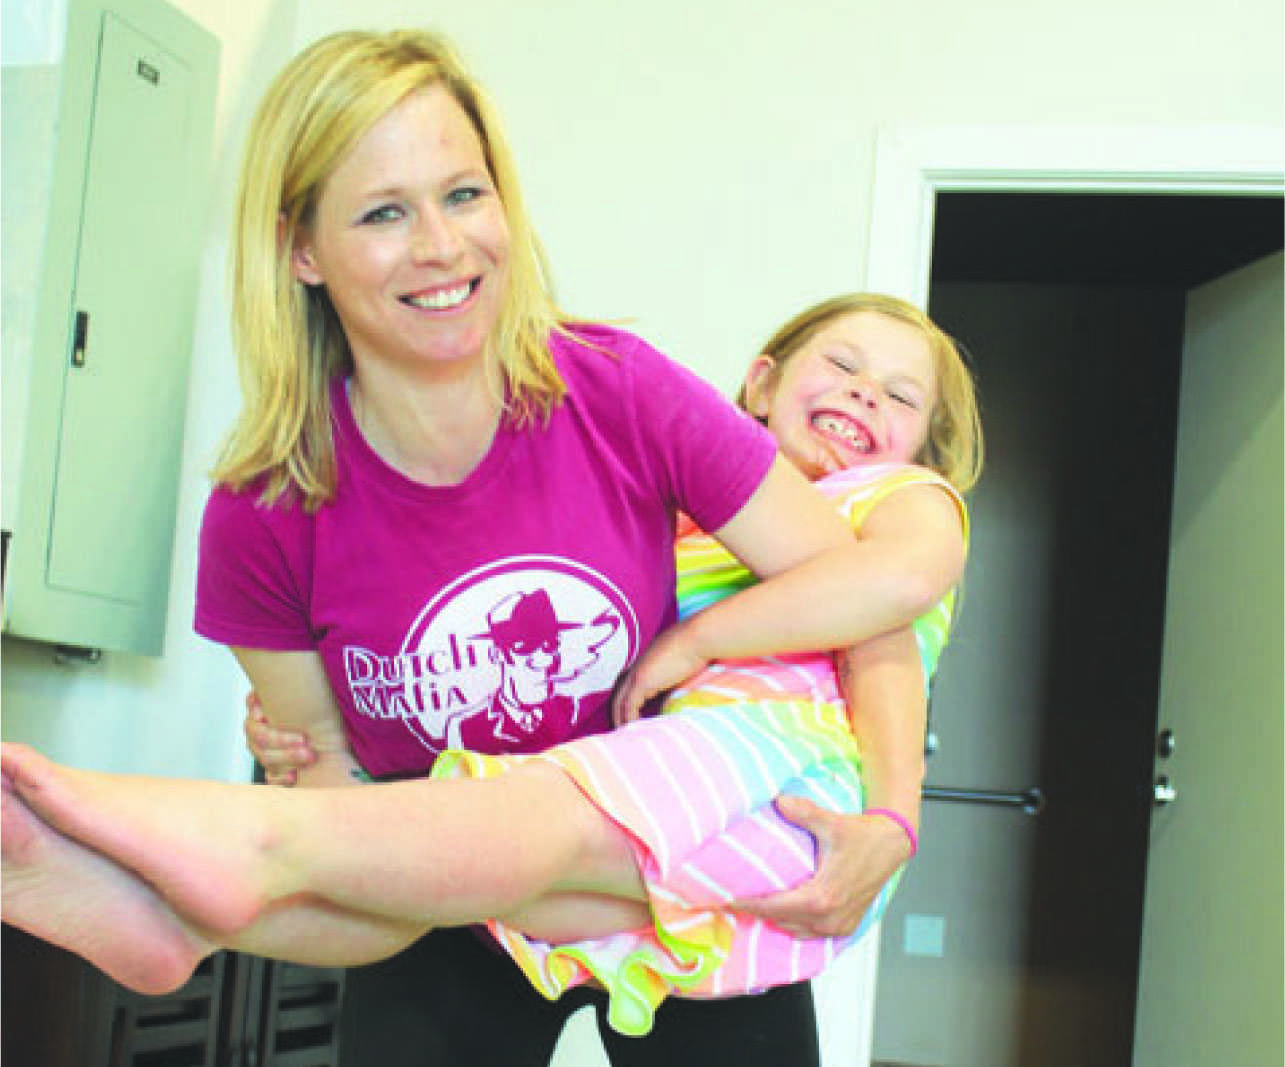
x=236 y=1011
x=89 y=548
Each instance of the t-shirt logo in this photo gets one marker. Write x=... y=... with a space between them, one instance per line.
x=511 y=656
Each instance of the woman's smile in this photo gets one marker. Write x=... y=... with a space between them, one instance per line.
x=443 y=297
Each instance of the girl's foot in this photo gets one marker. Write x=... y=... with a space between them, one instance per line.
x=193 y=841
x=64 y=893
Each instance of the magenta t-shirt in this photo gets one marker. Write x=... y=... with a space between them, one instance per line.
x=495 y=614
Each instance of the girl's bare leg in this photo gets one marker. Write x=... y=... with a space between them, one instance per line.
x=424 y=852
x=63 y=892
x=317 y=934
x=75 y=898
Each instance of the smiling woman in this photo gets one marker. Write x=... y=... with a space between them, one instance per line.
x=444 y=522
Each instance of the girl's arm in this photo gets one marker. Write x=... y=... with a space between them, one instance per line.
x=823 y=587
x=294 y=689
x=282 y=753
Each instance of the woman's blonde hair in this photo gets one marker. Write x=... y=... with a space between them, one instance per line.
x=289 y=342
x=954 y=446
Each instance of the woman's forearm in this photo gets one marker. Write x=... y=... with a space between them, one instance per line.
x=883 y=683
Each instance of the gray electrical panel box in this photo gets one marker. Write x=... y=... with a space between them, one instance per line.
x=89 y=550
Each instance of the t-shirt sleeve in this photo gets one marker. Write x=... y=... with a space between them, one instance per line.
x=252 y=574
x=707 y=456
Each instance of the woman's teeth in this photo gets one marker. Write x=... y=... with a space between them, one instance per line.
x=841 y=428
x=441 y=299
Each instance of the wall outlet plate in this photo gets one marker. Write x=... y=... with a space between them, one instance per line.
x=925 y=935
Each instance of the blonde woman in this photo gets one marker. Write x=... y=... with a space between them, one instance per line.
x=445 y=519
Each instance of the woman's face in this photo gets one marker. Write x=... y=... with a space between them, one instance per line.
x=410 y=240
x=860 y=390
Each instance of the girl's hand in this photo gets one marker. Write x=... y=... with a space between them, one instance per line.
x=672 y=659
x=282 y=752
x=825 y=460
x=856 y=854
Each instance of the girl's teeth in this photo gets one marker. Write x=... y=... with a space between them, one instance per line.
x=839 y=428
x=440 y=300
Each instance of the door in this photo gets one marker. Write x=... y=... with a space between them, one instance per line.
x=1053 y=675
x=1211 y=987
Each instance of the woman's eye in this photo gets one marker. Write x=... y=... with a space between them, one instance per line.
x=843 y=364
x=905 y=399
x=463 y=195
x=383 y=213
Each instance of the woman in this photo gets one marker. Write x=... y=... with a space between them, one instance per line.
x=445 y=515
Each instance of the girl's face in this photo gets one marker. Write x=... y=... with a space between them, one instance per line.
x=861 y=390
x=410 y=239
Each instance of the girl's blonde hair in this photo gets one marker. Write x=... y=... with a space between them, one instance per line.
x=288 y=338
x=954 y=446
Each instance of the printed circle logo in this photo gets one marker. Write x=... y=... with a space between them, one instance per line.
x=513 y=652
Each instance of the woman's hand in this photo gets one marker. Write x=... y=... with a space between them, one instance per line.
x=671 y=659
x=856 y=855
x=282 y=752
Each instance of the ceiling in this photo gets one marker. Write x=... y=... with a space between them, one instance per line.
x=1101 y=238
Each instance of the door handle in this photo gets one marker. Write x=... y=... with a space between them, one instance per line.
x=81 y=339
x=1165 y=743
x=1163 y=792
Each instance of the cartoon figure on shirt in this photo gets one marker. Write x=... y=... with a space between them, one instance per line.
x=514 y=656
x=527 y=645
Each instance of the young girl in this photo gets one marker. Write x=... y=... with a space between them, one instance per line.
x=629 y=857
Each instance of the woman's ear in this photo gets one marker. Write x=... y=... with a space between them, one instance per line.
x=303 y=260
x=759 y=382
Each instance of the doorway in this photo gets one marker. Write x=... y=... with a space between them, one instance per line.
x=1073 y=308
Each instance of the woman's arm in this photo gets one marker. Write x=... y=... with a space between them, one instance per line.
x=883 y=683
x=823 y=587
x=294 y=690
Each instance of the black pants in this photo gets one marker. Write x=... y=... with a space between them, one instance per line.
x=450 y=1001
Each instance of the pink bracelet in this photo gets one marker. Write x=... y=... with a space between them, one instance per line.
x=901 y=821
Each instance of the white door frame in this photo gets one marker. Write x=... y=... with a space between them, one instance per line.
x=915 y=163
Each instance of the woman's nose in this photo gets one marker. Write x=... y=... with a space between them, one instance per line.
x=434 y=238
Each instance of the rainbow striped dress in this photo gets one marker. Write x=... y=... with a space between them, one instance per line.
x=695 y=791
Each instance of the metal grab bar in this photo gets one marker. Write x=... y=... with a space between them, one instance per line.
x=1030 y=800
